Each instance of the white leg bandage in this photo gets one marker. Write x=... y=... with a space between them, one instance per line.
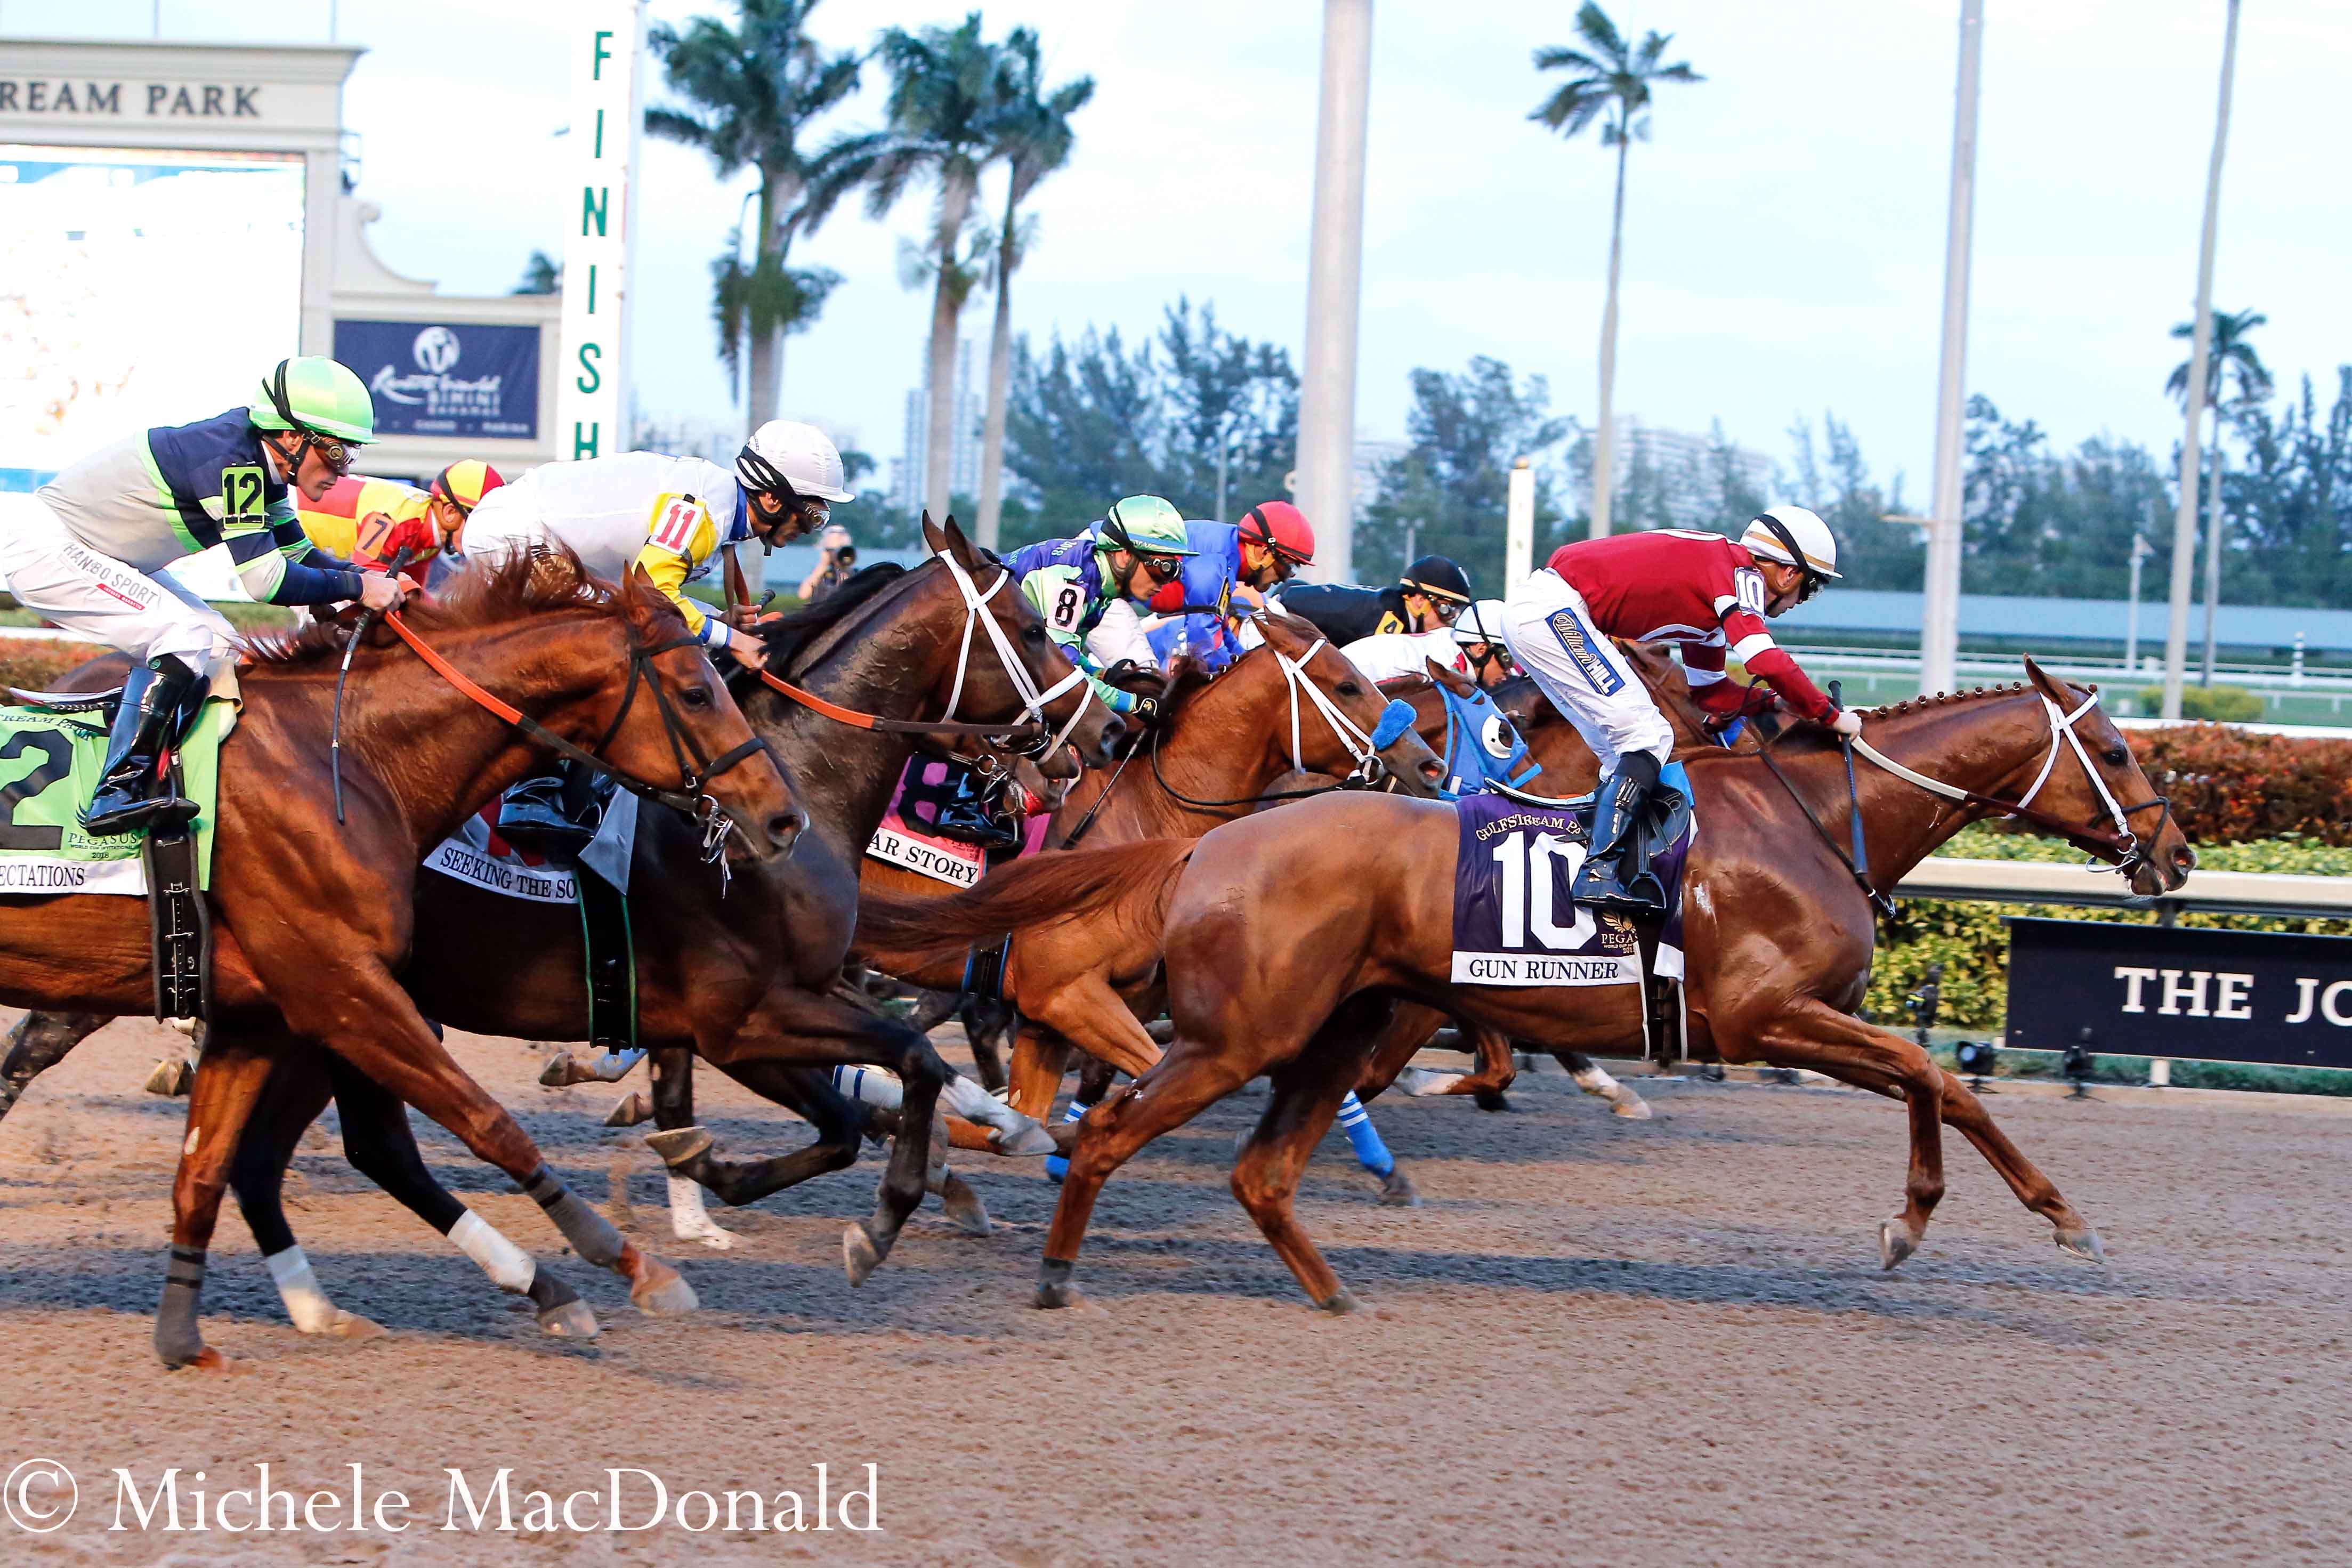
x=871 y=1085
x=688 y=1221
x=508 y=1266
x=299 y=1289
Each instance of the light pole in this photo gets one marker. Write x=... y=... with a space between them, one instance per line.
x=2140 y=551
x=1940 y=626
x=1326 y=383
x=2184 y=516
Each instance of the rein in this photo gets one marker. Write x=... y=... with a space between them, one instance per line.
x=1370 y=770
x=688 y=797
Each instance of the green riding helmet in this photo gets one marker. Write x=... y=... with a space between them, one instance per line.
x=1145 y=525
x=317 y=395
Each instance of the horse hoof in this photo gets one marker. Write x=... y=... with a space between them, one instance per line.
x=861 y=1254
x=1031 y=1138
x=964 y=1207
x=209 y=1359
x=1340 y=1304
x=171 y=1078
x=1895 y=1244
x=1634 y=1109
x=352 y=1327
x=1397 y=1190
x=1054 y=1286
x=634 y=1107
x=680 y=1145
x=2083 y=1244
x=1491 y=1099
x=560 y=1072
x=659 y=1291
x=572 y=1321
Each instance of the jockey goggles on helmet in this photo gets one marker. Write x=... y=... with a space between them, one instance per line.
x=1809 y=582
x=761 y=476
x=326 y=391
x=1164 y=566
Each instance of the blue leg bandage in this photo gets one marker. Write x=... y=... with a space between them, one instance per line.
x=1371 y=1153
x=1057 y=1167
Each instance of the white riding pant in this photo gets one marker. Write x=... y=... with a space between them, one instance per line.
x=1550 y=632
x=59 y=577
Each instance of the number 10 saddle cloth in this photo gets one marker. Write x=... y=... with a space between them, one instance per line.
x=1514 y=922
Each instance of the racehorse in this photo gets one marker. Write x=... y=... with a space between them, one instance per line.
x=1287 y=949
x=742 y=973
x=311 y=918
x=1294 y=705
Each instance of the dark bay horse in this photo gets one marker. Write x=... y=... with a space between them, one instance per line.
x=1286 y=948
x=311 y=919
x=744 y=973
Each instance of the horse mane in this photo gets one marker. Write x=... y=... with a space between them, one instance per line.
x=523 y=582
x=1187 y=679
x=1932 y=700
x=789 y=637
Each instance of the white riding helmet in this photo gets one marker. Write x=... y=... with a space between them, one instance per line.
x=1480 y=622
x=785 y=453
x=1793 y=537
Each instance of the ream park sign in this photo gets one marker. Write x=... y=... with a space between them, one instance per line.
x=131 y=100
x=2155 y=991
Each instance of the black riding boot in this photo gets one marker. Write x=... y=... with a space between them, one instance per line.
x=1616 y=872
x=535 y=816
x=159 y=699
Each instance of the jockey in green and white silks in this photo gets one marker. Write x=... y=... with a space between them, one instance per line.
x=1090 y=589
x=87 y=557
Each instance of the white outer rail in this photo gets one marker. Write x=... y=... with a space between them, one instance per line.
x=2047 y=882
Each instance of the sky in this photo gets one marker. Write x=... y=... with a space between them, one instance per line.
x=1785 y=226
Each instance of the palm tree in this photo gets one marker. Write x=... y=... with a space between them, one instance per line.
x=1032 y=137
x=942 y=128
x=2233 y=359
x=1612 y=85
x=754 y=94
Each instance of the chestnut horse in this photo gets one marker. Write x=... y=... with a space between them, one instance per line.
x=311 y=918
x=1287 y=948
x=742 y=973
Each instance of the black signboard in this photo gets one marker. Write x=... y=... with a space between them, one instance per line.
x=446 y=378
x=2156 y=991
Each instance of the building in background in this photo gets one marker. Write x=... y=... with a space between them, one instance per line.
x=1373 y=455
x=1676 y=477
x=963 y=459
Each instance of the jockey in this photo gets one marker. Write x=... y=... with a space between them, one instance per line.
x=1089 y=589
x=1700 y=591
x=86 y=558
x=671 y=516
x=1479 y=632
x=1432 y=592
x=1234 y=564
x=369 y=521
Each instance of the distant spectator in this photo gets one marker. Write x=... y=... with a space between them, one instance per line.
x=830 y=578
x=828 y=574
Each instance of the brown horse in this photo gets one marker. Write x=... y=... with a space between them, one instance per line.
x=1286 y=949
x=311 y=918
x=1222 y=746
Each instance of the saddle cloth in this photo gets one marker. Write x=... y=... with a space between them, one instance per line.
x=50 y=761
x=908 y=837
x=1514 y=923
x=477 y=855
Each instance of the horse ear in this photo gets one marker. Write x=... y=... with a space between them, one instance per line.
x=2049 y=685
x=960 y=546
x=1453 y=680
x=931 y=535
x=640 y=599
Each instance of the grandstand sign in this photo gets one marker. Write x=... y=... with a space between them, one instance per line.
x=606 y=39
x=2158 y=991
x=446 y=378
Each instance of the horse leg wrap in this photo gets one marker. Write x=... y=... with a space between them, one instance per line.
x=1371 y=1153
x=178 y=1341
x=688 y=1220
x=306 y=1304
x=508 y=1266
x=871 y=1085
x=1056 y=1166
x=591 y=1235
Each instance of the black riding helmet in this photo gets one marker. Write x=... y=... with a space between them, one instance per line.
x=1444 y=583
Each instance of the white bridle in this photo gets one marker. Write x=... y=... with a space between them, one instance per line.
x=2061 y=731
x=1358 y=743
x=1033 y=701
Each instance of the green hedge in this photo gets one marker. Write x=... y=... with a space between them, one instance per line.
x=1970 y=939
x=2224 y=704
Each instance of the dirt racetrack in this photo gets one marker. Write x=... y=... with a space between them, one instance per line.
x=1600 y=1341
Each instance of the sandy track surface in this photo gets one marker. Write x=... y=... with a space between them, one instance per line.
x=1600 y=1341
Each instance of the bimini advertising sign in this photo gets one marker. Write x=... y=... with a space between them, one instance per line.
x=2218 y=995
x=446 y=378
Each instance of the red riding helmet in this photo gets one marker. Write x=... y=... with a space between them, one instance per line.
x=1281 y=528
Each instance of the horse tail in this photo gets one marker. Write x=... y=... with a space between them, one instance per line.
x=1128 y=882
